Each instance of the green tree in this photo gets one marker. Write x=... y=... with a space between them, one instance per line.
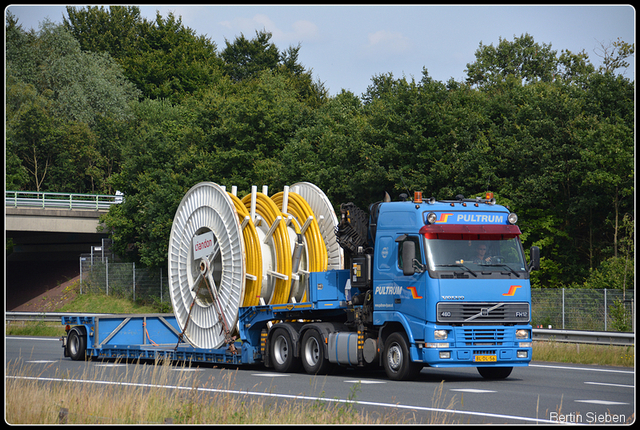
x=523 y=58
x=56 y=93
x=246 y=59
x=163 y=58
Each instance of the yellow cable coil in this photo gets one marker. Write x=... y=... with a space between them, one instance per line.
x=253 y=255
x=267 y=209
x=300 y=209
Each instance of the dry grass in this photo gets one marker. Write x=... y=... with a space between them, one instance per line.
x=602 y=355
x=130 y=401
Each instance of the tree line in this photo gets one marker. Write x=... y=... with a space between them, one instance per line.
x=108 y=100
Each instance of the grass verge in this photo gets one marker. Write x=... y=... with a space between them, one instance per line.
x=147 y=394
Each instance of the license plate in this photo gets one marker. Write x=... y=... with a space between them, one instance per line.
x=484 y=358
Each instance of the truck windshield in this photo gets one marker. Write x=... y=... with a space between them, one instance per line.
x=475 y=255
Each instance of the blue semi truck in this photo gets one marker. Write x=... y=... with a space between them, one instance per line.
x=424 y=283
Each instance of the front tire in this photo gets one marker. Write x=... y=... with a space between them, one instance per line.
x=396 y=359
x=495 y=372
x=282 y=352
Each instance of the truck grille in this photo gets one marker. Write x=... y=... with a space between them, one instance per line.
x=473 y=313
x=480 y=337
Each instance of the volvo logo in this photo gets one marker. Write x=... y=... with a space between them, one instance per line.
x=452 y=297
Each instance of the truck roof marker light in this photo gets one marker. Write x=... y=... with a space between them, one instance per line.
x=417 y=196
x=512 y=218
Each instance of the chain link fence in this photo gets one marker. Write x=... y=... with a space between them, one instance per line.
x=558 y=308
x=583 y=309
x=105 y=274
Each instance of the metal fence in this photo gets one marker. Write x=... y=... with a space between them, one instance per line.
x=583 y=309
x=34 y=199
x=100 y=273
x=557 y=308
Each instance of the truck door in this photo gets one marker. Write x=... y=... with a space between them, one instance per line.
x=412 y=299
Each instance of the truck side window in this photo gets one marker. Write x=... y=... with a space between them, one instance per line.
x=413 y=239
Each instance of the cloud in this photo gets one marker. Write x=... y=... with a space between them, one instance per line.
x=301 y=30
x=387 y=42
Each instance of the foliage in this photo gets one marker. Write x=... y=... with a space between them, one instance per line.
x=109 y=101
x=163 y=58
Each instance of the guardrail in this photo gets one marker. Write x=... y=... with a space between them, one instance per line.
x=42 y=316
x=572 y=336
x=34 y=199
x=580 y=336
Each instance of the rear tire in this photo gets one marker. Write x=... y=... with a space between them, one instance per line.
x=313 y=354
x=396 y=359
x=77 y=345
x=282 y=352
x=495 y=372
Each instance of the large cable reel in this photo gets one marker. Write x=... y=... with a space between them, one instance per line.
x=226 y=252
x=326 y=218
x=206 y=265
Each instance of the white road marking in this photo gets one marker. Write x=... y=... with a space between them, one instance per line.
x=110 y=365
x=292 y=397
x=269 y=375
x=366 y=381
x=582 y=368
x=600 y=402
x=41 y=361
x=472 y=390
x=609 y=385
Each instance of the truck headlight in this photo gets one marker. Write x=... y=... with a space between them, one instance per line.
x=522 y=334
x=440 y=334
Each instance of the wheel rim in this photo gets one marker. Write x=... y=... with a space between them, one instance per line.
x=281 y=350
x=312 y=351
x=394 y=357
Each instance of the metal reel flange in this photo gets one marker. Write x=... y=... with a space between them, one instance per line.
x=326 y=218
x=206 y=265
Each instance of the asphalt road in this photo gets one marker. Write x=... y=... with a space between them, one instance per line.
x=541 y=393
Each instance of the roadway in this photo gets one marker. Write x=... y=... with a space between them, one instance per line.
x=541 y=393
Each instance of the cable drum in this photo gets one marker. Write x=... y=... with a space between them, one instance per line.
x=326 y=219
x=206 y=290
x=276 y=248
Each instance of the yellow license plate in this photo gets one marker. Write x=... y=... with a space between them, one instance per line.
x=484 y=358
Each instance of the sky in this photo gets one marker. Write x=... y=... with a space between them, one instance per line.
x=345 y=46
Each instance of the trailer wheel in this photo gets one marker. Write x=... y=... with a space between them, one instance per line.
x=396 y=360
x=495 y=372
x=282 y=352
x=77 y=344
x=313 y=353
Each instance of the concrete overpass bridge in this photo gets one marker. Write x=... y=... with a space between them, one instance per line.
x=54 y=226
x=47 y=232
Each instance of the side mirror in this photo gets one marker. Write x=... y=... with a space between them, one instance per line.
x=535 y=258
x=408 y=255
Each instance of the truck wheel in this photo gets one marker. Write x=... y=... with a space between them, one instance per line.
x=495 y=372
x=77 y=345
x=282 y=352
x=313 y=353
x=396 y=360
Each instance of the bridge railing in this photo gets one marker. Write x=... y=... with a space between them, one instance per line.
x=36 y=199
